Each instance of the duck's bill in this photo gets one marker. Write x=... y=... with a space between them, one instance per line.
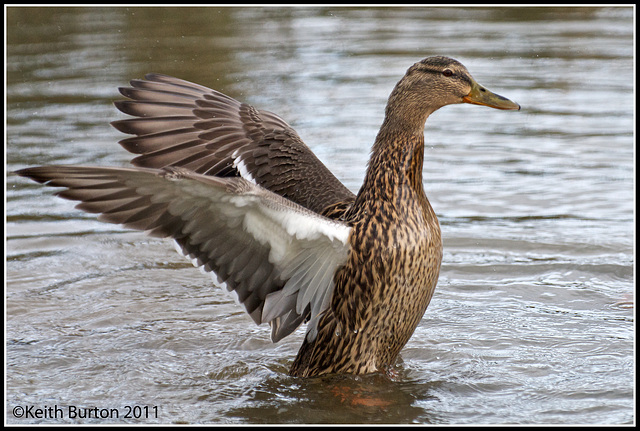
x=481 y=96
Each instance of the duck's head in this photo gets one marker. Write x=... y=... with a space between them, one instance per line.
x=435 y=82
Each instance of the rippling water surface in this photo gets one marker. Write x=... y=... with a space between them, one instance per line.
x=533 y=318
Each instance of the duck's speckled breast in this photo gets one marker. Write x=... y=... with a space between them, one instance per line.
x=384 y=288
x=394 y=266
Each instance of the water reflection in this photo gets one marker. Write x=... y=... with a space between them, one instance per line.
x=333 y=400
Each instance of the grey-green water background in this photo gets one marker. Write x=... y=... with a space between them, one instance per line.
x=532 y=321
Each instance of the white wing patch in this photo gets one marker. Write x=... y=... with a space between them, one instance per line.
x=240 y=165
x=306 y=249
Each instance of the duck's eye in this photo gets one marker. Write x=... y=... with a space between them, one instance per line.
x=447 y=73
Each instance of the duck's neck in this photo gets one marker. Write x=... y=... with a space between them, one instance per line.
x=396 y=161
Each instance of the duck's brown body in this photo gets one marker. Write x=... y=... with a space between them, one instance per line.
x=391 y=273
x=246 y=199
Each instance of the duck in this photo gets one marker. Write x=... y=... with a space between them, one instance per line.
x=246 y=200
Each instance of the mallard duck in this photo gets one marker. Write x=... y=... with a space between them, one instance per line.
x=247 y=200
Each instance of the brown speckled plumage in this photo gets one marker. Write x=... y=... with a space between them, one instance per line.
x=247 y=200
x=392 y=270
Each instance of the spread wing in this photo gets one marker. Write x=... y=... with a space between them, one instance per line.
x=185 y=124
x=277 y=256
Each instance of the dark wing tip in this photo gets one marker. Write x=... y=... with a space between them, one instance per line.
x=36 y=173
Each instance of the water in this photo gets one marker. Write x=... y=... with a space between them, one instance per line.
x=533 y=318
